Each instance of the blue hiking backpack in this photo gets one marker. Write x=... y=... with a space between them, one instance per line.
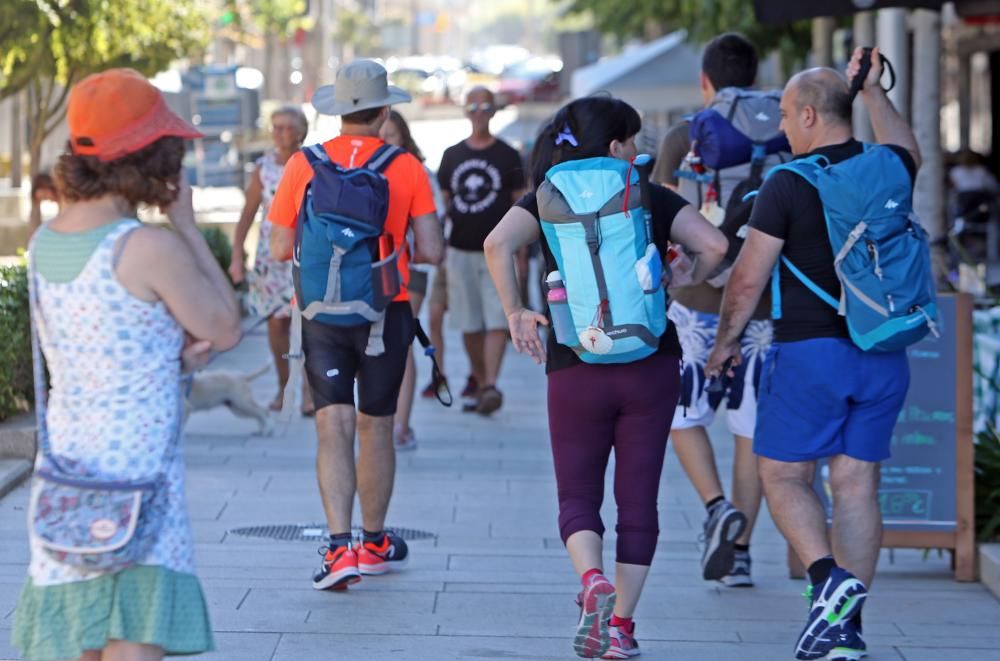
x=593 y=217
x=735 y=141
x=338 y=275
x=881 y=253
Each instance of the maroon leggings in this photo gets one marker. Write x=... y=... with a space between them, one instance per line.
x=593 y=408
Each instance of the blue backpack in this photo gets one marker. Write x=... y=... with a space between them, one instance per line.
x=881 y=253
x=594 y=222
x=336 y=268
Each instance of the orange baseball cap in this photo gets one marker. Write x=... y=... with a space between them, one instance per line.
x=117 y=112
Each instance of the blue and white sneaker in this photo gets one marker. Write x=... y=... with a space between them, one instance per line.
x=724 y=524
x=838 y=600
x=850 y=645
x=739 y=575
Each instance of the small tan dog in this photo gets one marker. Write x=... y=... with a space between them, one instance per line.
x=230 y=389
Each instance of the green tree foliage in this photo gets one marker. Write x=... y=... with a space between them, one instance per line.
x=356 y=31
x=15 y=342
x=280 y=18
x=47 y=45
x=703 y=19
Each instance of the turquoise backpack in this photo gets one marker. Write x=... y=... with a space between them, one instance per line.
x=881 y=254
x=599 y=231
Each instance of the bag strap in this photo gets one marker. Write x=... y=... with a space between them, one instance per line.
x=866 y=66
x=383 y=158
x=807 y=168
x=41 y=385
x=431 y=352
x=376 y=343
x=37 y=361
x=812 y=286
x=315 y=154
x=295 y=359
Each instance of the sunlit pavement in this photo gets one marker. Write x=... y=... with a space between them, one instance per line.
x=492 y=580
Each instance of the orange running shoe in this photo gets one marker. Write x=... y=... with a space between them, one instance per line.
x=339 y=568
x=389 y=554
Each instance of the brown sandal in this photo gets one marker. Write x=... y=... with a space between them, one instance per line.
x=490 y=401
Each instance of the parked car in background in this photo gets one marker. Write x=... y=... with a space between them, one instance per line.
x=425 y=86
x=535 y=79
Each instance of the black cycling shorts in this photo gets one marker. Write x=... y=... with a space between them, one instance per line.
x=335 y=358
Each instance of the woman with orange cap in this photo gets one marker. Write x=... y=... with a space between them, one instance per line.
x=120 y=310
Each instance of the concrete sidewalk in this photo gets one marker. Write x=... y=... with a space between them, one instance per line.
x=493 y=582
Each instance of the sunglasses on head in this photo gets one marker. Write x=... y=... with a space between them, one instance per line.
x=479 y=107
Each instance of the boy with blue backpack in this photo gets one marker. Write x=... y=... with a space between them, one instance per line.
x=713 y=159
x=852 y=287
x=341 y=214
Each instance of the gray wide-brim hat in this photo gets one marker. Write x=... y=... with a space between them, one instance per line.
x=360 y=85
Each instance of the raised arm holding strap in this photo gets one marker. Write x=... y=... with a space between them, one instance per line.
x=866 y=66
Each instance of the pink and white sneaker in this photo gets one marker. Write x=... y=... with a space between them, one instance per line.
x=623 y=645
x=596 y=602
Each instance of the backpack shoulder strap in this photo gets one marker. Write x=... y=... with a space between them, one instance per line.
x=801 y=277
x=812 y=286
x=315 y=154
x=383 y=158
x=807 y=168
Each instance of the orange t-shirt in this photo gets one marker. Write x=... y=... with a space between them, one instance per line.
x=409 y=190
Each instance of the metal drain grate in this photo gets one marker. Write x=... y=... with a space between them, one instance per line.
x=315 y=532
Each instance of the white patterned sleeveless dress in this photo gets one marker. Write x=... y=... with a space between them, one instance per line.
x=270 y=281
x=113 y=407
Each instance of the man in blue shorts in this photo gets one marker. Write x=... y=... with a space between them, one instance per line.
x=821 y=397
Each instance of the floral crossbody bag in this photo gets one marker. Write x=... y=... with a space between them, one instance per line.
x=84 y=520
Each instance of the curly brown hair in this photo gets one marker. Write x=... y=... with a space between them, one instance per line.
x=147 y=176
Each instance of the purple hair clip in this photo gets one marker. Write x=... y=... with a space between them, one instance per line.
x=566 y=135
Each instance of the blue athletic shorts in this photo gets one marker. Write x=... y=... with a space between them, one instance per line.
x=823 y=397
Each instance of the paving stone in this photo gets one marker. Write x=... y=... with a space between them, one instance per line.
x=494 y=582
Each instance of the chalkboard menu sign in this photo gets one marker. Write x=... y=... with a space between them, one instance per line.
x=918 y=482
x=926 y=491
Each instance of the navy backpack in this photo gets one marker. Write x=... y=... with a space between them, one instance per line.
x=339 y=275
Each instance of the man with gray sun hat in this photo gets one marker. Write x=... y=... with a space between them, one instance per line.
x=336 y=354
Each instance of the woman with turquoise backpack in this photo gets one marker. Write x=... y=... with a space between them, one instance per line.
x=612 y=361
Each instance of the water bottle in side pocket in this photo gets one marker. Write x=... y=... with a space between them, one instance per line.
x=562 y=320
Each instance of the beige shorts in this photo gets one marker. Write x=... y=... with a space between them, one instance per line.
x=473 y=302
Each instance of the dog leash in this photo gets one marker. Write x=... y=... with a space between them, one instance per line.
x=187 y=380
x=441 y=391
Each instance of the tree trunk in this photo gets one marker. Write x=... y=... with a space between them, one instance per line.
x=16 y=148
x=36 y=127
x=269 y=38
x=929 y=194
x=35 y=150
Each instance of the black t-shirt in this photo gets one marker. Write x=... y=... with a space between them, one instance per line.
x=665 y=204
x=482 y=183
x=788 y=208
